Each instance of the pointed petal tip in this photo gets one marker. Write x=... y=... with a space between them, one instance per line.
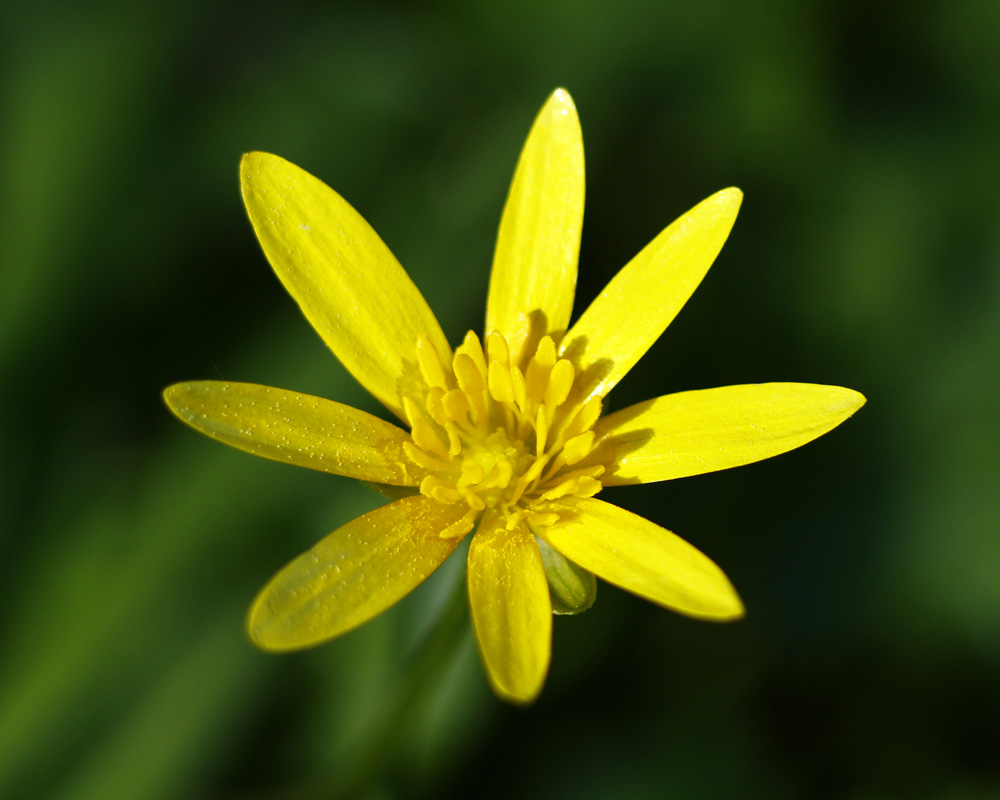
x=731 y=197
x=249 y=160
x=178 y=396
x=517 y=693
x=256 y=162
x=845 y=402
x=733 y=610
x=173 y=396
x=725 y=606
x=254 y=630
x=561 y=97
x=256 y=157
x=259 y=635
x=517 y=698
x=249 y=164
x=854 y=399
x=723 y=206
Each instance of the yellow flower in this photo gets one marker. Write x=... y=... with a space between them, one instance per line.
x=505 y=439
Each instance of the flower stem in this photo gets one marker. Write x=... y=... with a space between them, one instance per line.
x=429 y=665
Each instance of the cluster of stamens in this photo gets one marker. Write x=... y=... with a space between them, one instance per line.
x=495 y=436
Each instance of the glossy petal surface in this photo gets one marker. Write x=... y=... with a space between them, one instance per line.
x=635 y=554
x=356 y=572
x=511 y=611
x=690 y=433
x=346 y=281
x=644 y=297
x=296 y=428
x=535 y=262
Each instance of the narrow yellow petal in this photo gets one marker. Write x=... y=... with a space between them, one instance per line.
x=297 y=429
x=635 y=554
x=353 y=574
x=511 y=609
x=644 y=297
x=346 y=281
x=694 y=432
x=534 y=265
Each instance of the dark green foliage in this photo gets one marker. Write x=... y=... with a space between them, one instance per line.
x=867 y=255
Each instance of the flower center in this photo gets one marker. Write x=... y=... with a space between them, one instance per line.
x=495 y=436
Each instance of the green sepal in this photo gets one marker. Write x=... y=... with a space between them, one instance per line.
x=390 y=491
x=572 y=588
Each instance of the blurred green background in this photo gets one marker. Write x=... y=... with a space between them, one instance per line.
x=867 y=254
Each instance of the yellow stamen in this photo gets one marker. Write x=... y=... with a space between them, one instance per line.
x=456 y=405
x=430 y=363
x=424 y=459
x=541 y=431
x=435 y=407
x=472 y=347
x=560 y=383
x=499 y=440
x=576 y=448
x=497 y=348
x=501 y=387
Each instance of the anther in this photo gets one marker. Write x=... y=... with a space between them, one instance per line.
x=520 y=390
x=545 y=355
x=456 y=405
x=472 y=347
x=497 y=348
x=501 y=388
x=585 y=418
x=439 y=490
x=430 y=363
x=576 y=448
x=541 y=430
x=424 y=459
x=468 y=374
x=435 y=405
x=560 y=383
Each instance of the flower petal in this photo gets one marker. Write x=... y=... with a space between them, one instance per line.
x=296 y=428
x=534 y=265
x=645 y=296
x=346 y=281
x=694 y=432
x=635 y=554
x=356 y=572
x=511 y=610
